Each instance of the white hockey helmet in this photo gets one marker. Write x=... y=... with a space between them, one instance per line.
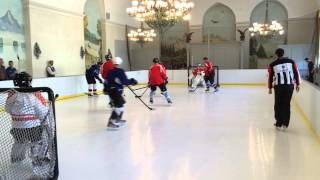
x=117 y=60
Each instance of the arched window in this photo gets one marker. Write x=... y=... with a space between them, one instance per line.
x=12 y=32
x=262 y=49
x=276 y=12
x=219 y=24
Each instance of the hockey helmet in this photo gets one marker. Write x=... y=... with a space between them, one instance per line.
x=108 y=57
x=117 y=60
x=156 y=60
x=23 y=79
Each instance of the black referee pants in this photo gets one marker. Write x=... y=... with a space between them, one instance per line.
x=283 y=95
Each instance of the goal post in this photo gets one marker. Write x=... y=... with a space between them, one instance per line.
x=28 y=143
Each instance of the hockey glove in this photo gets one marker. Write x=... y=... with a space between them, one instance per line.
x=133 y=81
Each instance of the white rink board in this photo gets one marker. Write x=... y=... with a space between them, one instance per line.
x=309 y=100
x=77 y=84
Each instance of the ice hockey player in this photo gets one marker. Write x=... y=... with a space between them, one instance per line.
x=116 y=80
x=91 y=75
x=197 y=77
x=106 y=67
x=28 y=112
x=209 y=74
x=158 y=78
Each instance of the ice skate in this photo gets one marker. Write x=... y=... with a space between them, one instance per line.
x=121 y=122
x=169 y=101
x=277 y=127
x=151 y=101
x=112 y=125
x=192 y=89
x=284 y=128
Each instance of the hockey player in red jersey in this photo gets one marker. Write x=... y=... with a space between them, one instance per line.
x=209 y=73
x=106 y=67
x=28 y=112
x=197 y=77
x=158 y=78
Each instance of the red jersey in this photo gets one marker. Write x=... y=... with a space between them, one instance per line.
x=106 y=67
x=198 y=70
x=209 y=67
x=157 y=74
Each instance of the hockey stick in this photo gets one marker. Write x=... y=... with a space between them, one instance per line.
x=150 y=108
x=146 y=87
x=143 y=92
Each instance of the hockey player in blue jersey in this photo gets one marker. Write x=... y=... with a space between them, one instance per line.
x=91 y=75
x=116 y=80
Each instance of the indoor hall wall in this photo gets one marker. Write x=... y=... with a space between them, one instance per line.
x=300 y=30
x=243 y=8
x=60 y=35
x=58 y=28
x=142 y=56
x=116 y=41
x=117 y=9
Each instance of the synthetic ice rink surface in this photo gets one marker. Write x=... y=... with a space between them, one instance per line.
x=223 y=136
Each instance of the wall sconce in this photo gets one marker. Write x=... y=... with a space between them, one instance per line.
x=82 y=52
x=36 y=50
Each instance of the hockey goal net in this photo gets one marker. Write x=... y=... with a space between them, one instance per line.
x=216 y=76
x=28 y=141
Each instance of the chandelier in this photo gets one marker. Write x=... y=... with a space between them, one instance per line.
x=142 y=35
x=160 y=14
x=267 y=28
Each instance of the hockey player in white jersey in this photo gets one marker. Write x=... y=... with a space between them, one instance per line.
x=197 y=77
x=28 y=111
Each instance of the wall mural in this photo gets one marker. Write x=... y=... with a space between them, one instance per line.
x=262 y=49
x=219 y=24
x=174 y=47
x=92 y=32
x=12 y=33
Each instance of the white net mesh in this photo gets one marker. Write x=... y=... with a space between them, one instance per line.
x=27 y=131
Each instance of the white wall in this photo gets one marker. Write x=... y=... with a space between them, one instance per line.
x=58 y=28
x=117 y=9
x=60 y=36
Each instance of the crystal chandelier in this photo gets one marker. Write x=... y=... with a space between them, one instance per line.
x=142 y=35
x=160 y=14
x=267 y=28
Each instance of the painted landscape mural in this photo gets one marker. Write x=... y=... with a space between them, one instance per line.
x=12 y=33
x=174 y=47
x=92 y=32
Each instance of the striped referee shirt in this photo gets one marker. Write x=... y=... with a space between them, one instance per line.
x=283 y=71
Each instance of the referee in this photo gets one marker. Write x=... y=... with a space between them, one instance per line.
x=283 y=74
